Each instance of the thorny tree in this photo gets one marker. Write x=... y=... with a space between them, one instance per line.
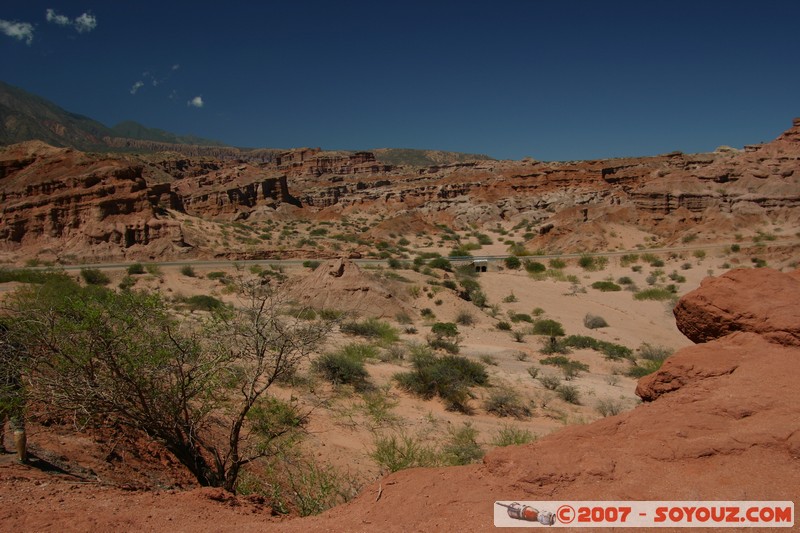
x=199 y=386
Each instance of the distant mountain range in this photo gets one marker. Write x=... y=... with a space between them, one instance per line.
x=26 y=117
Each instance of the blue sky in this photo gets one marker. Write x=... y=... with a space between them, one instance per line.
x=555 y=80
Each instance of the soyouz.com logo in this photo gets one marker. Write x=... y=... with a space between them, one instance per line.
x=644 y=514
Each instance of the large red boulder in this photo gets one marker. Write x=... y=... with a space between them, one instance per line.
x=761 y=300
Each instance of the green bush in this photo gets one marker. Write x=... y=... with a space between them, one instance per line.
x=372 y=328
x=136 y=268
x=398 y=452
x=343 y=368
x=188 y=271
x=609 y=407
x=557 y=264
x=609 y=349
x=33 y=276
x=550 y=382
x=625 y=280
x=512 y=262
x=444 y=329
x=592 y=263
x=511 y=435
x=506 y=402
x=465 y=318
x=655 y=293
x=606 y=286
x=643 y=369
x=312 y=265
x=569 y=394
x=203 y=302
x=654 y=353
x=535 y=267
x=461 y=446
x=503 y=326
x=548 y=327
x=441 y=263
x=93 y=276
x=449 y=377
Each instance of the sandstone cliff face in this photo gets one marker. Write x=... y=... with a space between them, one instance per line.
x=720 y=423
x=115 y=201
x=71 y=204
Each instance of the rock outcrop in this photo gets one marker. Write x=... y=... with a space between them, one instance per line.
x=742 y=300
x=340 y=284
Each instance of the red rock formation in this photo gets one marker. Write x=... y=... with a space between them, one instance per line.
x=742 y=300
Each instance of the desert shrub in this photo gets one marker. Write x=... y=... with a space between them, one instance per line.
x=520 y=317
x=570 y=367
x=592 y=263
x=403 y=318
x=548 y=327
x=188 y=271
x=628 y=259
x=127 y=283
x=511 y=435
x=606 y=286
x=330 y=314
x=488 y=359
x=655 y=293
x=445 y=329
x=533 y=372
x=461 y=446
x=94 y=276
x=217 y=275
x=371 y=328
x=440 y=343
x=511 y=298
x=519 y=336
x=449 y=377
x=550 y=382
x=136 y=268
x=203 y=302
x=594 y=322
x=699 y=254
x=735 y=248
x=427 y=312
x=638 y=370
x=677 y=278
x=569 y=394
x=506 y=402
x=654 y=353
x=625 y=280
x=537 y=312
x=312 y=265
x=153 y=269
x=397 y=452
x=609 y=349
x=441 y=263
x=608 y=407
x=450 y=284
x=465 y=318
x=503 y=326
x=343 y=369
x=512 y=262
x=535 y=267
x=24 y=275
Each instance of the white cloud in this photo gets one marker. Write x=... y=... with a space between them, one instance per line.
x=136 y=86
x=175 y=66
x=82 y=24
x=85 y=23
x=197 y=101
x=18 y=30
x=61 y=20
